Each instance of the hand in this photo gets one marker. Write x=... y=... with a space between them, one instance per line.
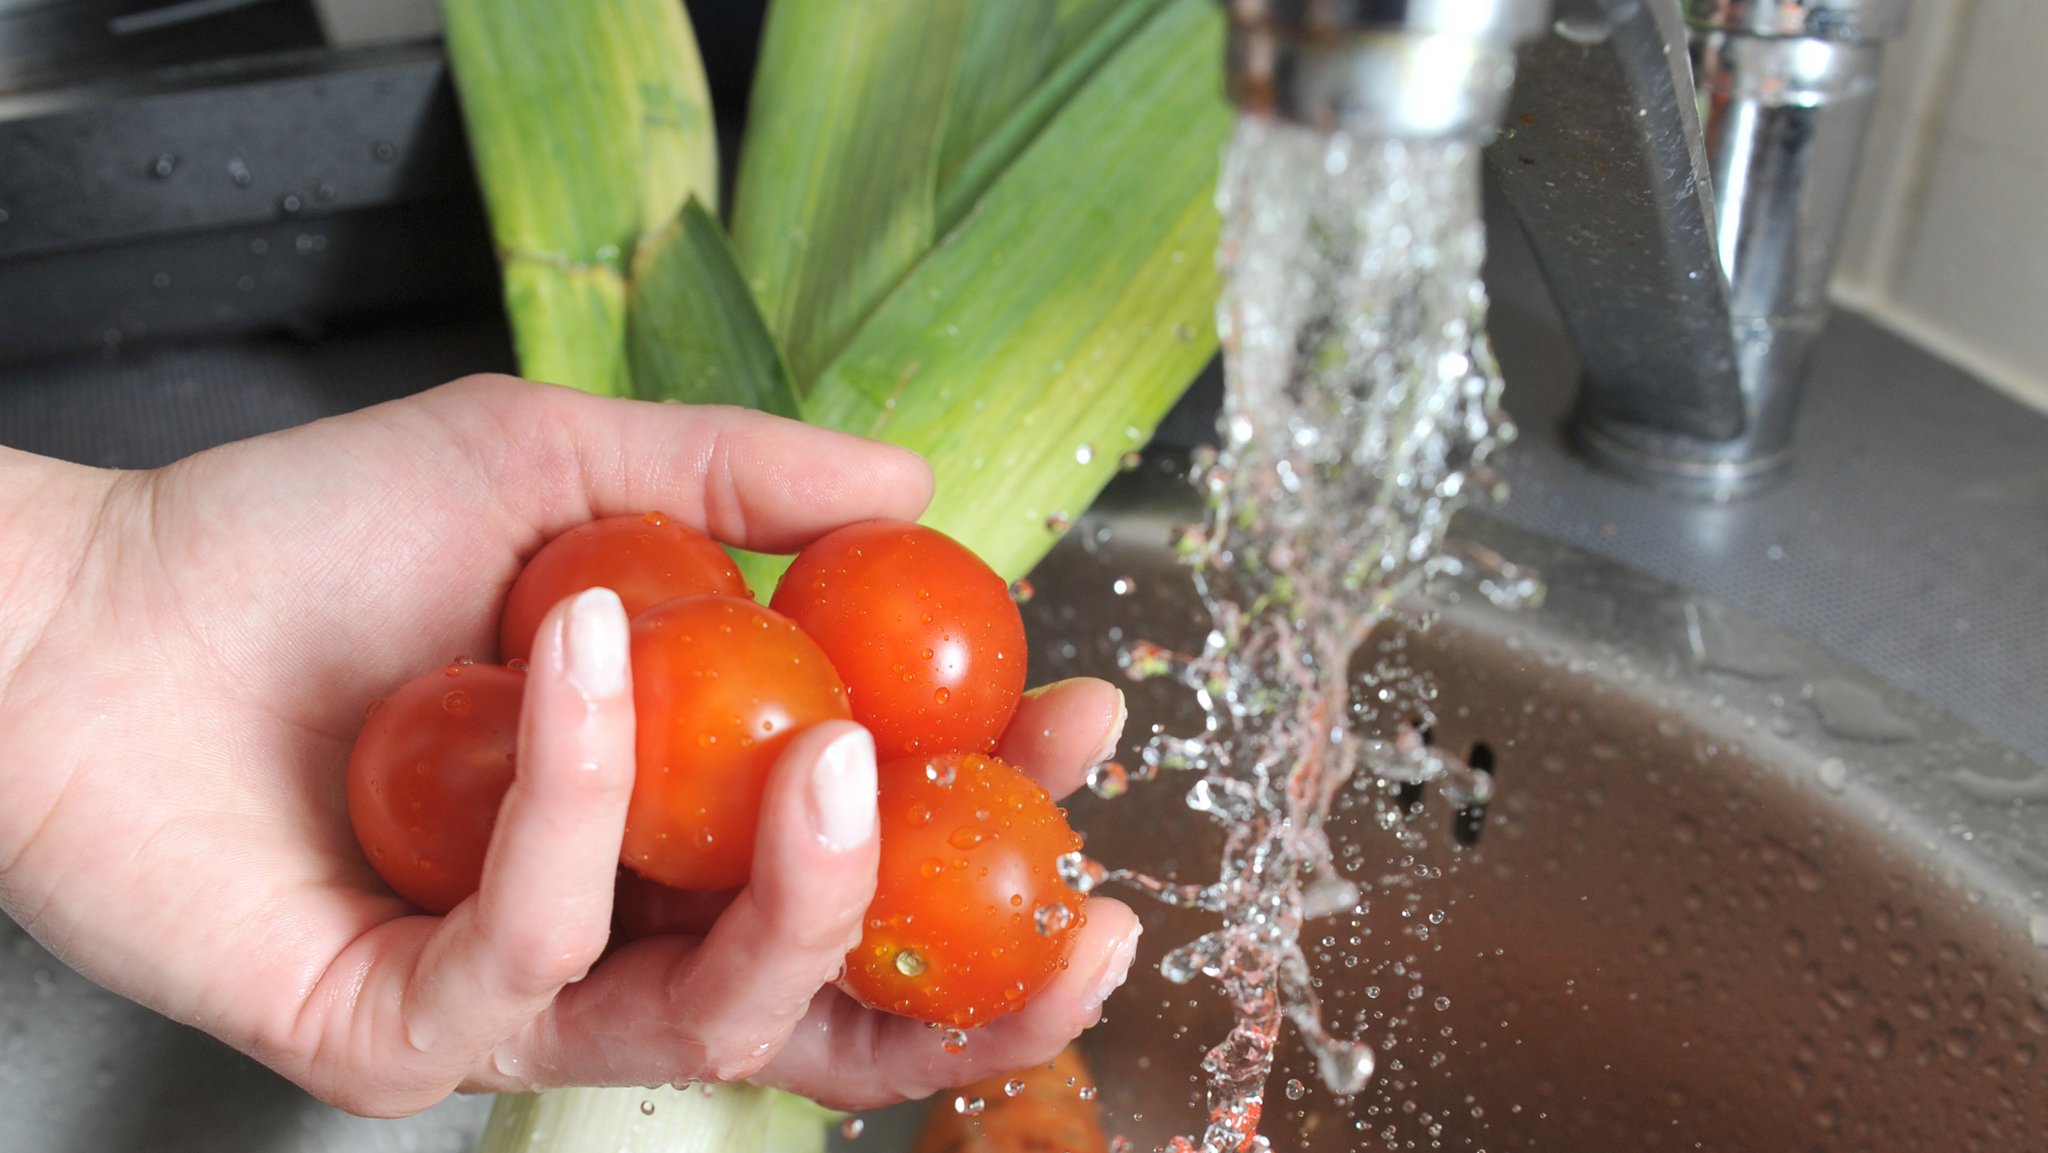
x=187 y=657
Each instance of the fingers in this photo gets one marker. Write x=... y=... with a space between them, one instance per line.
x=789 y=930
x=560 y=457
x=671 y=1009
x=543 y=913
x=1063 y=729
x=846 y=1057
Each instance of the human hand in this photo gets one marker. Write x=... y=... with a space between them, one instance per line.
x=186 y=658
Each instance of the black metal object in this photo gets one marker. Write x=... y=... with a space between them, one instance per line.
x=280 y=191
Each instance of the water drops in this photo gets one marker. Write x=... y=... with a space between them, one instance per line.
x=909 y=962
x=647 y=1108
x=852 y=1127
x=968 y=1106
x=1052 y=919
x=1109 y=780
x=1295 y=1090
x=1058 y=522
x=1013 y=1086
x=1080 y=873
x=954 y=1041
x=163 y=166
x=1022 y=591
x=1084 y=454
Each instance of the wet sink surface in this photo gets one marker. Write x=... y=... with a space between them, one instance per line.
x=1732 y=894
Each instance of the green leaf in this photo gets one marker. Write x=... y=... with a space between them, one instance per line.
x=1074 y=20
x=693 y=333
x=964 y=183
x=590 y=124
x=837 y=172
x=1007 y=50
x=1052 y=330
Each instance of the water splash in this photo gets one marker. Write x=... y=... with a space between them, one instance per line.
x=1360 y=413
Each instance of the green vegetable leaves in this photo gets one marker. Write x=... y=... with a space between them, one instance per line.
x=693 y=333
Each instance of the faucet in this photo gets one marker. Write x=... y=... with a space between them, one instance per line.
x=1681 y=169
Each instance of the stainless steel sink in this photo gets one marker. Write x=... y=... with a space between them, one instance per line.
x=1732 y=893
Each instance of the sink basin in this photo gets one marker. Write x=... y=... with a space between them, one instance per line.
x=1731 y=892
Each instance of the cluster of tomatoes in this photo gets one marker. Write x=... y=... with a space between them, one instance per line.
x=890 y=624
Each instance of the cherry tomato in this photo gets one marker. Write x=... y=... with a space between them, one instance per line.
x=427 y=775
x=970 y=917
x=926 y=635
x=645 y=559
x=720 y=684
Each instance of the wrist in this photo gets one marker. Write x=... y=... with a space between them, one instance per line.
x=49 y=510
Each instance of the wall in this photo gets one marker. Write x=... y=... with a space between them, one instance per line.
x=1948 y=238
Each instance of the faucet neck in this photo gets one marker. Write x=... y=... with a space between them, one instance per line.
x=1847 y=21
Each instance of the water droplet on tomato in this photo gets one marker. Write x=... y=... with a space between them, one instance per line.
x=704 y=839
x=927 y=654
x=918 y=815
x=1016 y=900
x=518 y=664
x=456 y=703
x=1052 y=919
x=910 y=963
x=1013 y=1086
x=966 y=837
x=1085 y=1092
x=942 y=695
x=940 y=775
x=1022 y=591
x=931 y=867
x=655 y=520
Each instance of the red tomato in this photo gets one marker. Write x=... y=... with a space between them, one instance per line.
x=427 y=775
x=645 y=559
x=926 y=635
x=970 y=918
x=720 y=684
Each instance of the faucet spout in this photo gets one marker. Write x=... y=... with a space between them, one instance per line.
x=1681 y=168
x=1400 y=68
x=1685 y=207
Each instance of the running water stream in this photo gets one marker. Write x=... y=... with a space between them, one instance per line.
x=1361 y=409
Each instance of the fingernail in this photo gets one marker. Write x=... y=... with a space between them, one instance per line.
x=1116 y=731
x=1115 y=970
x=843 y=792
x=596 y=644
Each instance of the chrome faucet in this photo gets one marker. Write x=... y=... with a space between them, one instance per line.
x=1681 y=168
